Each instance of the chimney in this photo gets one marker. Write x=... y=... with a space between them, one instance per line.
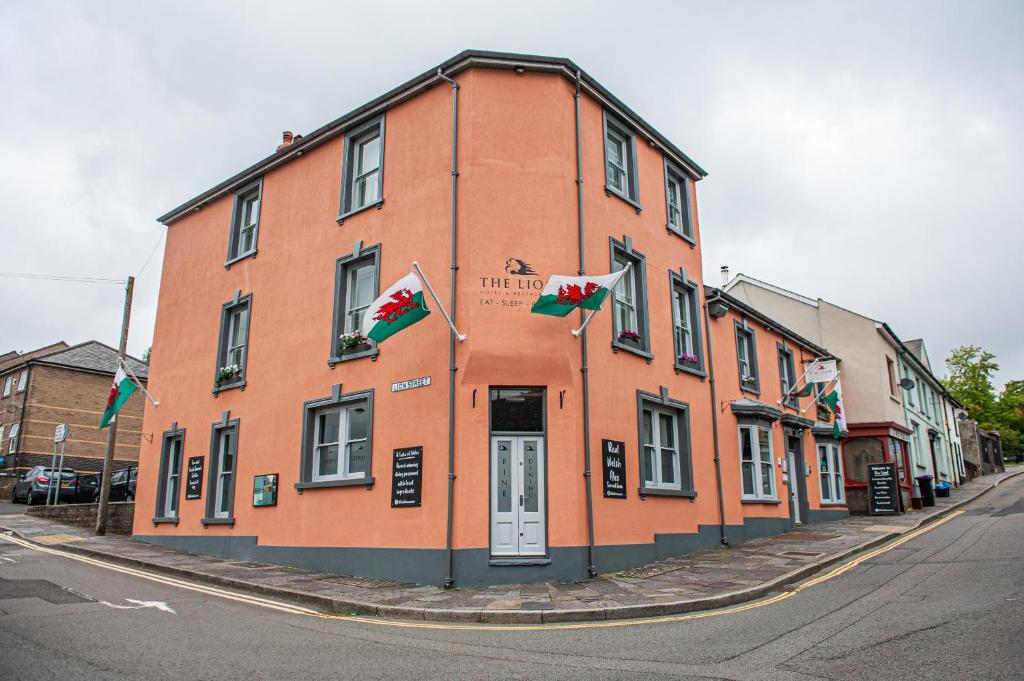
x=286 y=139
x=725 y=275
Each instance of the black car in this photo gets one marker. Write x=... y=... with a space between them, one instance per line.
x=34 y=485
x=88 y=489
x=122 y=484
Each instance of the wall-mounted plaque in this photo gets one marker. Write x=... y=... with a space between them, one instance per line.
x=613 y=460
x=264 y=490
x=407 y=477
x=883 y=490
x=194 y=478
x=410 y=384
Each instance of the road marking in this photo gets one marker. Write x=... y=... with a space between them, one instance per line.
x=309 y=612
x=159 y=605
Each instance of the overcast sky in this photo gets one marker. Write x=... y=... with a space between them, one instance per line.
x=870 y=153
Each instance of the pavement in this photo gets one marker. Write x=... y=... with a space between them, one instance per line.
x=698 y=581
x=945 y=601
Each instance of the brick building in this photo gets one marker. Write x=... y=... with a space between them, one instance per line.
x=64 y=384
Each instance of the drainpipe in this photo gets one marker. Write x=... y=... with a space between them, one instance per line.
x=450 y=578
x=21 y=419
x=591 y=568
x=714 y=423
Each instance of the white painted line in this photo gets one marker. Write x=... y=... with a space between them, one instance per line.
x=159 y=605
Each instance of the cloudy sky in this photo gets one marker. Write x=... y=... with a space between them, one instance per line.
x=870 y=153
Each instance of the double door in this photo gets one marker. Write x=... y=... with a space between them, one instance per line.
x=517 y=496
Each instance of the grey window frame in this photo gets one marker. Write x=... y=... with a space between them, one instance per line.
x=638 y=271
x=620 y=129
x=310 y=410
x=235 y=234
x=160 y=515
x=836 y=472
x=679 y=282
x=743 y=330
x=222 y=350
x=352 y=138
x=674 y=172
x=661 y=403
x=758 y=461
x=22 y=384
x=213 y=465
x=786 y=354
x=342 y=268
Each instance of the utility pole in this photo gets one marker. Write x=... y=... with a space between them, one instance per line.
x=108 y=457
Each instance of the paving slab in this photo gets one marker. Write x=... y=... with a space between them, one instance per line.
x=707 y=579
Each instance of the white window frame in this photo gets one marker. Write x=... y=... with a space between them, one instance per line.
x=223 y=489
x=758 y=464
x=172 y=476
x=245 y=222
x=614 y=139
x=624 y=302
x=360 y=178
x=659 y=448
x=344 y=443
x=12 y=438
x=681 y=318
x=23 y=381
x=8 y=386
x=830 y=478
x=351 y=309
x=237 y=346
x=352 y=179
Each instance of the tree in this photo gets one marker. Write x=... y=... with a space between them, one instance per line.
x=1009 y=417
x=146 y=354
x=970 y=381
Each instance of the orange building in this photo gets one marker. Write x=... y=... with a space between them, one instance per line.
x=524 y=453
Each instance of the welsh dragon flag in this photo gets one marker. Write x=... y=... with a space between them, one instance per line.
x=398 y=308
x=122 y=389
x=834 y=402
x=562 y=295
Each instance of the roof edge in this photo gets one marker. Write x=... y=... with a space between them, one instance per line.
x=460 y=62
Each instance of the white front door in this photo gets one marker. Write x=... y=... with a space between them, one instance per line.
x=517 y=495
x=794 y=486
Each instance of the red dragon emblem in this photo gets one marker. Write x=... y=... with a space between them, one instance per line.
x=574 y=295
x=401 y=302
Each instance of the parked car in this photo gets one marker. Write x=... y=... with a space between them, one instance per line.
x=34 y=485
x=88 y=488
x=122 y=484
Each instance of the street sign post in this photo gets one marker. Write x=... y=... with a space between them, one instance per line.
x=60 y=436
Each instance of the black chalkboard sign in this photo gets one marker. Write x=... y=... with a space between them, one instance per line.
x=883 y=490
x=194 y=478
x=407 y=477
x=613 y=459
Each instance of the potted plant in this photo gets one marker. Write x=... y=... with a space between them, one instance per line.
x=353 y=342
x=228 y=374
x=630 y=337
x=688 y=360
x=748 y=382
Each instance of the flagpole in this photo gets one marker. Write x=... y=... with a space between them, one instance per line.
x=444 y=313
x=577 y=332
x=108 y=456
x=834 y=380
x=138 y=383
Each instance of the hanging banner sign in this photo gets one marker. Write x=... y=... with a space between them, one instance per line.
x=613 y=460
x=407 y=477
x=822 y=371
x=194 y=478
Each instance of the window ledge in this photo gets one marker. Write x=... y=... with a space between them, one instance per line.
x=614 y=192
x=232 y=261
x=160 y=520
x=656 y=492
x=774 y=502
x=696 y=371
x=756 y=390
x=372 y=352
x=682 y=235
x=833 y=504
x=230 y=522
x=378 y=204
x=518 y=562
x=616 y=346
x=895 y=399
x=317 y=484
x=228 y=386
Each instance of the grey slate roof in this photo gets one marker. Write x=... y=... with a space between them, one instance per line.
x=94 y=356
x=917 y=347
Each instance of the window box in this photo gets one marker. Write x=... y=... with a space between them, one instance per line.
x=232 y=352
x=630 y=327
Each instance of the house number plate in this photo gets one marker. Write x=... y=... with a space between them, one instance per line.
x=410 y=384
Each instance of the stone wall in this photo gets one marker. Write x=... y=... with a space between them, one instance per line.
x=119 y=520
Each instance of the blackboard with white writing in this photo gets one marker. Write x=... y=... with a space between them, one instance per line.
x=883 y=490
x=194 y=478
x=407 y=477
x=613 y=460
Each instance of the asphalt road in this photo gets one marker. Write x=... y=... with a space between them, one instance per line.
x=948 y=604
